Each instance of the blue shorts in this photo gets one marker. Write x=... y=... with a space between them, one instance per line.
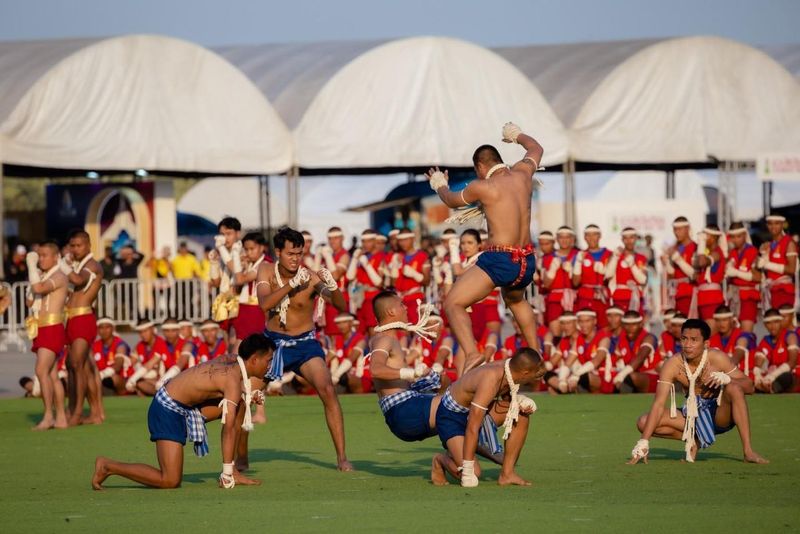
x=165 y=424
x=706 y=424
x=450 y=424
x=410 y=420
x=295 y=353
x=504 y=271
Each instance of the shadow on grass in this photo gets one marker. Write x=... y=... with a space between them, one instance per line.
x=703 y=455
x=419 y=467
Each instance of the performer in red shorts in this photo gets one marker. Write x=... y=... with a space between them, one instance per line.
x=711 y=273
x=366 y=273
x=336 y=259
x=347 y=346
x=45 y=325
x=413 y=273
x=670 y=342
x=85 y=275
x=679 y=261
x=743 y=277
x=464 y=253
x=589 y=275
x=557 y=278
x=151 y=351
x=211 y=345
x=590 y=362
x=112 y=356
x=733 y=341
x=627 y=271
x=778 y=261
x=251 y=318
x=637 y=352
x=776 y=357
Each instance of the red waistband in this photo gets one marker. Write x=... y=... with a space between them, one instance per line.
x=527 y=250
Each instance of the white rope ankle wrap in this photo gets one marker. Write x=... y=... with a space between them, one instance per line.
x=691 y=405
x=422 y=328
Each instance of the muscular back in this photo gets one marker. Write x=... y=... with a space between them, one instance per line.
x=493 y=374
x=206 y=381
x=506 y=200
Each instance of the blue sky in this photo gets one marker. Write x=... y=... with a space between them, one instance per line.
x=487 y=22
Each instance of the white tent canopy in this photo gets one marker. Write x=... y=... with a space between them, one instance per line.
x=787 y=55
x=399 y=104
x=132 y=102
x=670 y=101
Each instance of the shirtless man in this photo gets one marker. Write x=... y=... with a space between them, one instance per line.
x=710 y=377
x=490 y=389
x=504 y=194
x=86 y=275
x=212 y=390
x=45 y=324
x=287 y=293
x=406 y=394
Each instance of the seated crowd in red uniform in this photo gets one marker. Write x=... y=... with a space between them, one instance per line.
x=590 y=304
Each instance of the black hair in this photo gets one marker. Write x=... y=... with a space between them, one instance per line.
x=378 y=306
x=474 y=233
x=50 y=243
x=772 y=312
x=287 y=235
x=680 y=219
x=183 y=245
x=738 y=225
x=230 y=222
x=255 y=343
x=255 y=237
x=77 y=232
x=24 y=381
x=697 y=324
x=486 y=154
x=722 y=308
x=631 y=314
x=525 y=358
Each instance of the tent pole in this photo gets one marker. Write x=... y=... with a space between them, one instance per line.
x=291 y=191
x=670 y=183
x=2 y=225
x=569 y=193
x=766 y=197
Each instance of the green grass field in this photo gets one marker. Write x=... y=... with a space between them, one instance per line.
x=575 y=455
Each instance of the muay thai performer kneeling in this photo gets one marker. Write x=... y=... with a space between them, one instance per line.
x=715 y=402
x=406 y=395
x=212 y=390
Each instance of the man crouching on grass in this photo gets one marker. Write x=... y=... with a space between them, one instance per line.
x=217 y=389
x=492 y=388
x=715 y=401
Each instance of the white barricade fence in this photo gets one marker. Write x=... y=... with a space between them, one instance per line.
x=125 y=301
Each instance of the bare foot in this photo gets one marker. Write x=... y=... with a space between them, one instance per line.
x=242 y=480
x=74 y=420
x=61 y=423
x=91 y=420
x=100 y=473
x=344 y=465
x=437 y=472
x=755 y=458
x=44 y=424
x=512 y=480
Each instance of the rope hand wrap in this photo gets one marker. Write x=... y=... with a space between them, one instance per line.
x=247 y=424
x=517 y=402
x=423 y=328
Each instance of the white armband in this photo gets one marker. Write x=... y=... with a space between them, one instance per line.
x=407 y=373
x=777 y=268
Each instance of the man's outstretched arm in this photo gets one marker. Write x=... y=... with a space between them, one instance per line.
x=440 y=182
x=533 y=150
